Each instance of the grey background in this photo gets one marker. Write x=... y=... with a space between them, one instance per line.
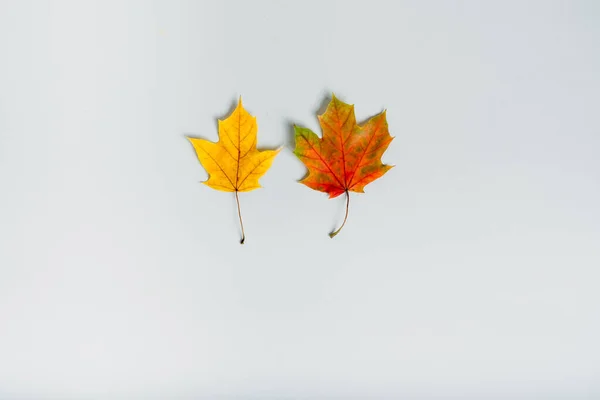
x=469 y=271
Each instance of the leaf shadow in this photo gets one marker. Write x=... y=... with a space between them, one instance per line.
x=290 y=140
x=232 y=105
x=327 y=96
x=193 y=135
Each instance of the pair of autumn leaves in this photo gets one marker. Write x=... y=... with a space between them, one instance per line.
x=346 y=158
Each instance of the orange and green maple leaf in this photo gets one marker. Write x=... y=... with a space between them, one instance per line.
x=233 y=163
x=348 y=156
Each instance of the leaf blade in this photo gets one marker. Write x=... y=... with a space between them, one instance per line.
x=348 y=155
x=233 y=163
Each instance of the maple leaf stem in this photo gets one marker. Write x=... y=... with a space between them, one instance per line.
x=237 y=199
x=332 y=234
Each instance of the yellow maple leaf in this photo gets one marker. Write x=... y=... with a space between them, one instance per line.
x=233 y=163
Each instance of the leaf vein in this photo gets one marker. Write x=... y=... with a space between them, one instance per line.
x=366 y=148
x=218 y=165
x=323 y=161
x=252 y=171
